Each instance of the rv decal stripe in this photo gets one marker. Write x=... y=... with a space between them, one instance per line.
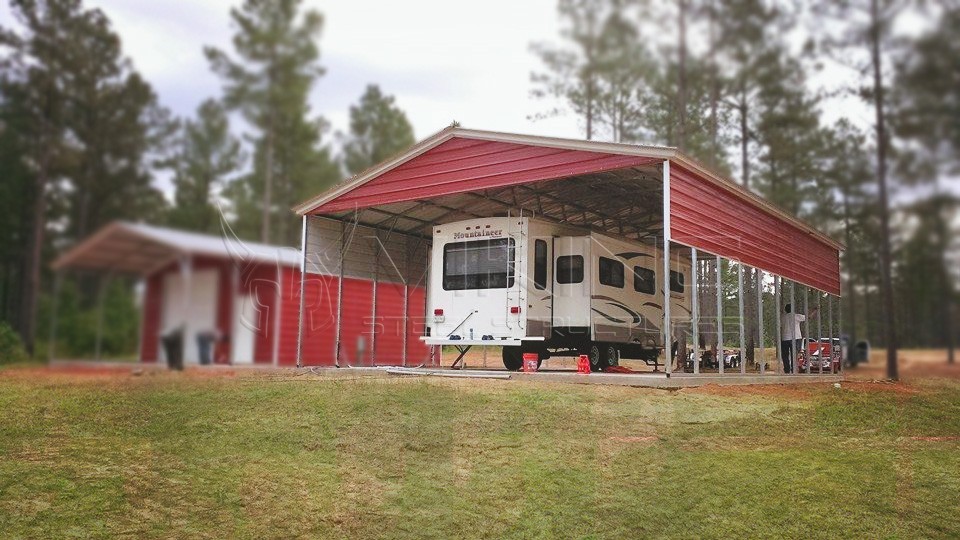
x=608 y=317
x=613 y=302
x=634 y=314
x=653 y=304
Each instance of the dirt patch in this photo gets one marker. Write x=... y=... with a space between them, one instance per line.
x=912 y=364
x=900 y=387
x=100 y=372
x=106 y=372
x=781 y=391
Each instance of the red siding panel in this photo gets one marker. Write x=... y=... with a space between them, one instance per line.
x=417 y=352
x=289 y=317
x=708 y=217
x=458 y=166
x=261 y=283
x=224 y=313
x=389 y=325
x=357 y=322
x=319 y=324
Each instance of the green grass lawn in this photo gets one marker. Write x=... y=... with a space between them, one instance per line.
x=173 y=455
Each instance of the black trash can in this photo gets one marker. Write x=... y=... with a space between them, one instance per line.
x=173 y=348
x=205 y=343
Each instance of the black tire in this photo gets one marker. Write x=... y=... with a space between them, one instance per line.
x=512 y=358
x=612 y=355
x=598 y=359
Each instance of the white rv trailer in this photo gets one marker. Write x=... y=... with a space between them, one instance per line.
x=531 y=285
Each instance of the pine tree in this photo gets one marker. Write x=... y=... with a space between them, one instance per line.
x=206 y=155
x=750 y=50
x=269 y=82
x=927 y=106
x=846 y=175
x=572 y=70
x=83 y=121
x=378 y=130
x=34 y=117
x=867 y=29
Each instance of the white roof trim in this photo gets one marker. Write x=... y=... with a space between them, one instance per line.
x=178 y=242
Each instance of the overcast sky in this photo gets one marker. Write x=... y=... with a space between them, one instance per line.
x=442 y=60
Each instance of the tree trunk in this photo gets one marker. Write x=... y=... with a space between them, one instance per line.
x=744 y=138
x=714 y=86
x=851 y=284
x=886 y=285
x=682 y=75
x=946 y=288
x=267 y=186
x=31 y=290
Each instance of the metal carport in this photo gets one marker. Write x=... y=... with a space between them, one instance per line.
x=655 y=194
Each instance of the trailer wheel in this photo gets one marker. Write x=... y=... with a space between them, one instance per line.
x=598 y=360
x=612 y=356
x=512 y=358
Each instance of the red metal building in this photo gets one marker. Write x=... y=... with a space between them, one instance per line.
x=248 y=295
x=648 y=193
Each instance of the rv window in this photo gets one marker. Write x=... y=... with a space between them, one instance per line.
x=611 y=272
x=569 y=269
x=676 y=281
x=540 y=264
x=644 y=280
x=479 y=264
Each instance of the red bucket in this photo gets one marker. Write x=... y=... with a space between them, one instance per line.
x=583 y=364
x=530 y=362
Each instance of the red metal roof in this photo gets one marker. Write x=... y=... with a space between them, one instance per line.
x=460 y=165
x=706 y=216
x=459 y=173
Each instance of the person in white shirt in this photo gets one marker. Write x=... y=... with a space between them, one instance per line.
x=791 y=336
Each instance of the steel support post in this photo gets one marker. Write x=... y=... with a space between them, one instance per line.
x=719 y=358
x=303 y=281
x=806 y=332
x=695 y=313
x=142 y=285
x=840 y=331
x=406 y=297
x=830 y=329
x=186 y=273
x=743 y=341
x=376 y=286
x=792 y=331
x=760 y=355
x=336 y=345
x=820 y=346
x=667 y=334
x=778 y=334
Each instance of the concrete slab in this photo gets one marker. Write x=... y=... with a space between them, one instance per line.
x=661 y=380
x=645 y=380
